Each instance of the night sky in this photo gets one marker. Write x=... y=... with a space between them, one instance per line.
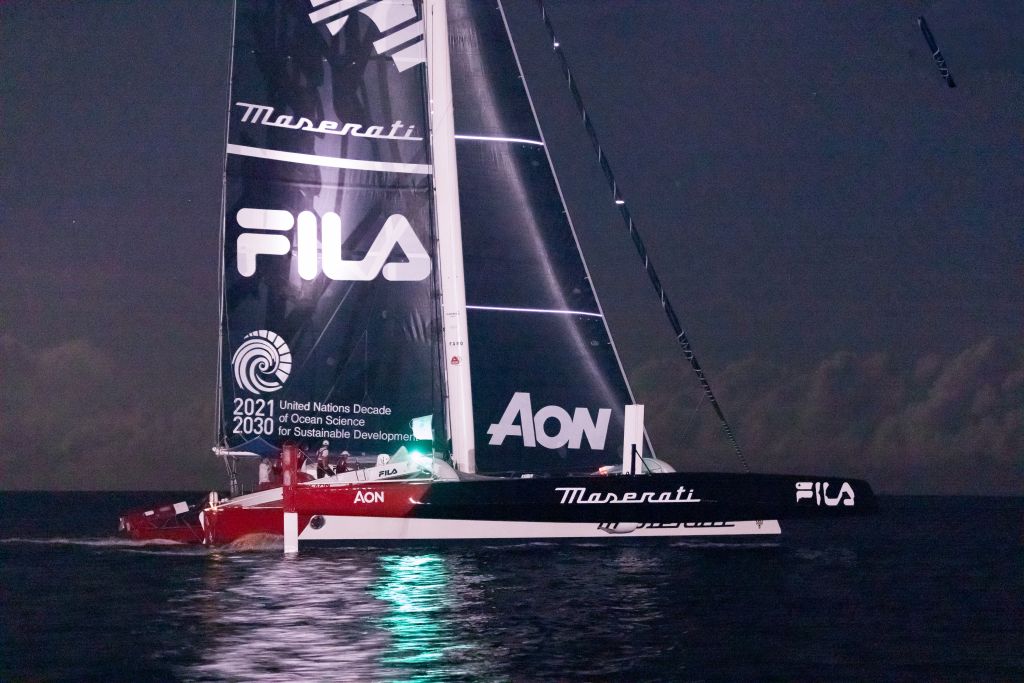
x=840 y=232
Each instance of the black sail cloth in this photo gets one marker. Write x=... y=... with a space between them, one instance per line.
x=535 y=326
x=328 y=312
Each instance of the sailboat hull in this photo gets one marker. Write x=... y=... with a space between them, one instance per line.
x=678 y=504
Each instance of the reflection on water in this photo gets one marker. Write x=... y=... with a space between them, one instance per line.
x=265 y=616
x=462 y=613
x=417 y=591
x=382 y=614
x=846 y=602
x=352 y=614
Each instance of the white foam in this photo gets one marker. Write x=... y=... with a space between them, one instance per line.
x=94 y=542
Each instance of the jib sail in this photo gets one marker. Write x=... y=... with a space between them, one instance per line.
x=548 y=390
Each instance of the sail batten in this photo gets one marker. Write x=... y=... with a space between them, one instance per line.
x=328 y=162
x=505 y=309
x=497 y=138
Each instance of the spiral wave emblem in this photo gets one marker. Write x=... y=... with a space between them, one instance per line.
x=262 y=362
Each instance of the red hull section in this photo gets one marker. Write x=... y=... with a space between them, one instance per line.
x=178 y=523
x=228 y=524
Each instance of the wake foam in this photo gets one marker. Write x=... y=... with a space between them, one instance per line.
x=255 y=543
x=113 y=542
x=246 y=544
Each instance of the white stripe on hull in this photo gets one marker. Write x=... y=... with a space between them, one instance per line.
x=342 y=528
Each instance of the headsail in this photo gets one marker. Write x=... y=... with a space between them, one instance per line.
x=548 y=390
x=328 y=313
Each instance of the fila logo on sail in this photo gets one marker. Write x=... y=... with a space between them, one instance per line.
x=402 y=30
x=520 y=420
x=396 y=232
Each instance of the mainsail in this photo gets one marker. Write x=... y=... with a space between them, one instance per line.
x=329 y=315
x=331 y=312
x=548 y=389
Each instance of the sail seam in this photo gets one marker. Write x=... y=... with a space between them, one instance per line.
x=491 y=138
x=509 y=309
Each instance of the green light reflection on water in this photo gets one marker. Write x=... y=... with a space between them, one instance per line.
x=416 y=589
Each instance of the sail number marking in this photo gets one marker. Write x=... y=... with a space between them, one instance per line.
x=253 y=416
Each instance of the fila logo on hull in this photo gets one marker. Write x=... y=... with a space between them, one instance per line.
x=270 y=223
x=520 y=420
x=817 y=491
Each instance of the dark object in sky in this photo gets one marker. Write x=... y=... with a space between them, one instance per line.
x=936 y=53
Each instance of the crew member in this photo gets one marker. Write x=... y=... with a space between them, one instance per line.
x=322 y=468
x=305 y=466
x=342 y=465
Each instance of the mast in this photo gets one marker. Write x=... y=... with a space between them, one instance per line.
x=455 y=336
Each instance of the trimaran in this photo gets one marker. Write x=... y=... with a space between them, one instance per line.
x=402 y=284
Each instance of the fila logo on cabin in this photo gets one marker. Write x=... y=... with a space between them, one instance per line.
x=520 y=420
x=267 y=238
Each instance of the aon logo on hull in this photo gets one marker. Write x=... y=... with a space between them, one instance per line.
x=369 y=497
x=570 y=430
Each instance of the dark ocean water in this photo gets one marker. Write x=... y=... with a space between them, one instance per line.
x=930 y=589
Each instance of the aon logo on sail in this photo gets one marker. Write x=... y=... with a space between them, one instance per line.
x=565 y=430
x=268 y=224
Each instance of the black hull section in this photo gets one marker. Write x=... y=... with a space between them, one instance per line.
x=659 y=498
x=677 y=504
x=678 y=497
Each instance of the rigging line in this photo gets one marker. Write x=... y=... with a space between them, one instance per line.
x=220 y=433
x=940 y=61
x=693 y=417
x=638 y=242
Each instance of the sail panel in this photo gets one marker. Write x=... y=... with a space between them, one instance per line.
x=548 y=390
x=329 y=319
x=521 y=250
x=489 y=96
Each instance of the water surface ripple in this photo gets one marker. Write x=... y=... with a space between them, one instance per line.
x=928 y=590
